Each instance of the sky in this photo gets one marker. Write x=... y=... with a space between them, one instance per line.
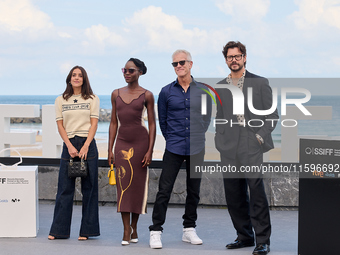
x=41 y=40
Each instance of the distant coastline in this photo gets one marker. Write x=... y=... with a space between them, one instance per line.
x=105 y=100
x=104 y=116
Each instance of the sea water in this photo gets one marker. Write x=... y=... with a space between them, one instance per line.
x=305 y=127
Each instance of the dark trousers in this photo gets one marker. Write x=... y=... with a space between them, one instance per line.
x=171 y=166
x=247 y=211
x=61 y=225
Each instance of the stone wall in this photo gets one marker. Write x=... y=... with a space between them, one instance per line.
x=282 y=191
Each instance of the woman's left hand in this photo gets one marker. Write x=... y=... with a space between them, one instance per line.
x=83 y=152
x=147 y=159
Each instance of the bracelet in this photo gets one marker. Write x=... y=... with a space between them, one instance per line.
x=260 y=138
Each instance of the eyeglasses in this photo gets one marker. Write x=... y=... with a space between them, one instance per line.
x=130 y=70
x=182 y=63
x=237 y=57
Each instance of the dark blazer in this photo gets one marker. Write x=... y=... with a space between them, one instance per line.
x=226 y=137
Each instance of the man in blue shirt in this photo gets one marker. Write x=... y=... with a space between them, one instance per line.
x=183 y=126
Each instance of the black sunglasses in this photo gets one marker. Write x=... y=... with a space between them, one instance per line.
x=130 y=70
x=182 y=63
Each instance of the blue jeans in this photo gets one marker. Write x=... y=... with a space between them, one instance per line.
x=171 y=166
x=61 y=225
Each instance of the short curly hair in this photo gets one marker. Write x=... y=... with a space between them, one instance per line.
x=233 y=44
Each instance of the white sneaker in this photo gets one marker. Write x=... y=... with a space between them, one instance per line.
x=155 y=239
x=190 y=236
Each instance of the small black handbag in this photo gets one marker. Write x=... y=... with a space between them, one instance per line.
x=77 y=168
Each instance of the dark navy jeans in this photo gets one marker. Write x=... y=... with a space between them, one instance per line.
x=61 y=225
x=171 y=166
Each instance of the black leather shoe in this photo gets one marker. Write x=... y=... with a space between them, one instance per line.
x=261 y=249
x=239 y=244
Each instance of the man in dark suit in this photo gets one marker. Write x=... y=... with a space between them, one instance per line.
x=241 y=140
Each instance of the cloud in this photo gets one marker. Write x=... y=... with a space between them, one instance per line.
x=313 y=13
x=164 y=32
x=336 y=61
x=64 y=34
x=244 y=9
x=65 y=67
x=101 y=35
x=144 y=30
x=100 y=40
x=160 y=30
x=21 y=15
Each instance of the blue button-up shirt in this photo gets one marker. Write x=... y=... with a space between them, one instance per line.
x=181 y=121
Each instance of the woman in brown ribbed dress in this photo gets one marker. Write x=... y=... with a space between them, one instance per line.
x=133 y=148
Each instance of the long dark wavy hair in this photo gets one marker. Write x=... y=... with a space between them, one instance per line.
x=86 y=91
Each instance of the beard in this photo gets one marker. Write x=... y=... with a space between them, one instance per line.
x=235 y=69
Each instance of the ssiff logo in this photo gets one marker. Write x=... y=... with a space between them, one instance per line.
x=319 y=151
x=2 y=180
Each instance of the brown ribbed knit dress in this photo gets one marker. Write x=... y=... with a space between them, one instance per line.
x=131 y=145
